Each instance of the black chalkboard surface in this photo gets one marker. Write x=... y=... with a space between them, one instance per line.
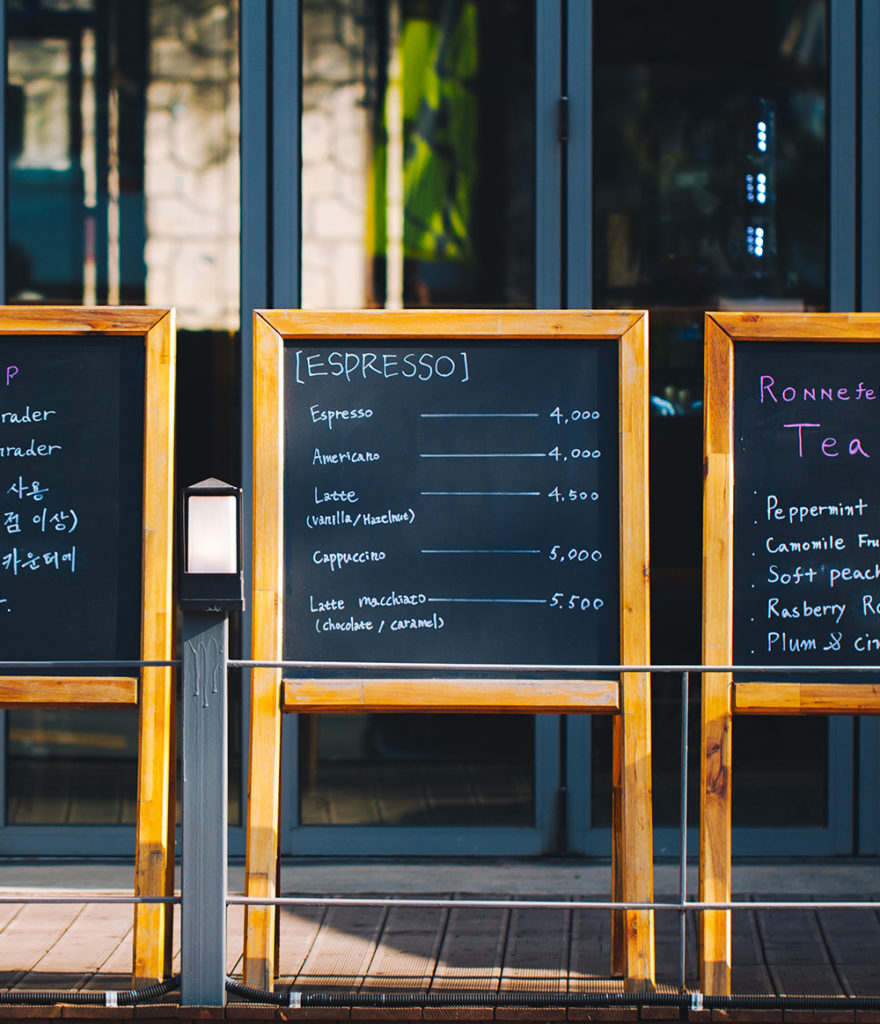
x=451 y=501
x=71 y=486
x=807 y=503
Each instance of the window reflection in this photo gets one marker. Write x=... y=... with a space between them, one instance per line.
x=123 y=156
x=711 y=181
x=418 y=153
x=418 y=190
x=122 y=150
x=711 y=170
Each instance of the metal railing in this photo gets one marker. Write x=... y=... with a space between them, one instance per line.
x=683 y=904
x=192 y=902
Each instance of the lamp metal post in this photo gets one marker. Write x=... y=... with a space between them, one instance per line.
x=210 y=586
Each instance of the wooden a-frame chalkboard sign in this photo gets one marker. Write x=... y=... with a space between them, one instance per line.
x=791 y=548
x=86 y=477
x=449 y=505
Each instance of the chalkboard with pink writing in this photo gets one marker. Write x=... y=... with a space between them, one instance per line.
x=807 y=503
x=71 y=486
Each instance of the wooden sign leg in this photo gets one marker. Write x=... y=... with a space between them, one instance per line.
x=154 y=865
x=715 y=834
x=157 y=748
x=618 y=917
x=637 y=828
x=715 y=760
x=264 y=784
x=636 y=820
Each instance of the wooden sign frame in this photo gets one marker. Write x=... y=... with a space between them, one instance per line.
x=722 y=696
x=628 y=699
x=152 y=690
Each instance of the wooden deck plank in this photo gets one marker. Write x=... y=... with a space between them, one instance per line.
x=805 y=979
x=175 y=942
x=472 y=951
x=751 y=980
x=589 y=952
x=115 y=971
x=8 y=912
x=749 y=973
x=667 y=931
x=852 y=937
x=537 y=951
x=90 y=941
x=822 y=952
x=791 y=937
x=409 y=945
x=27 y=938
x=234 y=939
x=795 y=953
x=344 y=948
x=853 y=942
x=300 y=928
x=860 y=979
x=746 y=939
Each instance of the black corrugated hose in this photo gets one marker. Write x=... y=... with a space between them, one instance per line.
x=542 y=1000
x=128 y=997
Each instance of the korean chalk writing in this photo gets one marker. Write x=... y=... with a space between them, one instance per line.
x=71 y=444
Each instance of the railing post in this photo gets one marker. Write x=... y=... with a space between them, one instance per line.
x=683 y=835
x=203 y=870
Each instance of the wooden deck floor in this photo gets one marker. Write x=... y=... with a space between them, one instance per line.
x=64 y=947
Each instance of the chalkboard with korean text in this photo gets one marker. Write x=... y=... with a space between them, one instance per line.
x=85 y=403
x=86 y=530
x=71 y=444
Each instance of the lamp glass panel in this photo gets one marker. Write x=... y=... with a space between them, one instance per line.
x=212 y=543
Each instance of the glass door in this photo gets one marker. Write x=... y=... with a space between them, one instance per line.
x=418 y=189
x=122 y=160
x=710 y=169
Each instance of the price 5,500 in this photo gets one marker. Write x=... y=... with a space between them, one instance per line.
x=576 y=603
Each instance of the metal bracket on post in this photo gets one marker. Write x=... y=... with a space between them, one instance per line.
x=203 y=870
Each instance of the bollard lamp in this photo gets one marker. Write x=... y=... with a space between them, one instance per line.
x=211 y=577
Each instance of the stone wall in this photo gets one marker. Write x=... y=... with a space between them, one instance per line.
x=192 y=181
x=335 y=154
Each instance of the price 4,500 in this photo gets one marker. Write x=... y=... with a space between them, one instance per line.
x=572 y=495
